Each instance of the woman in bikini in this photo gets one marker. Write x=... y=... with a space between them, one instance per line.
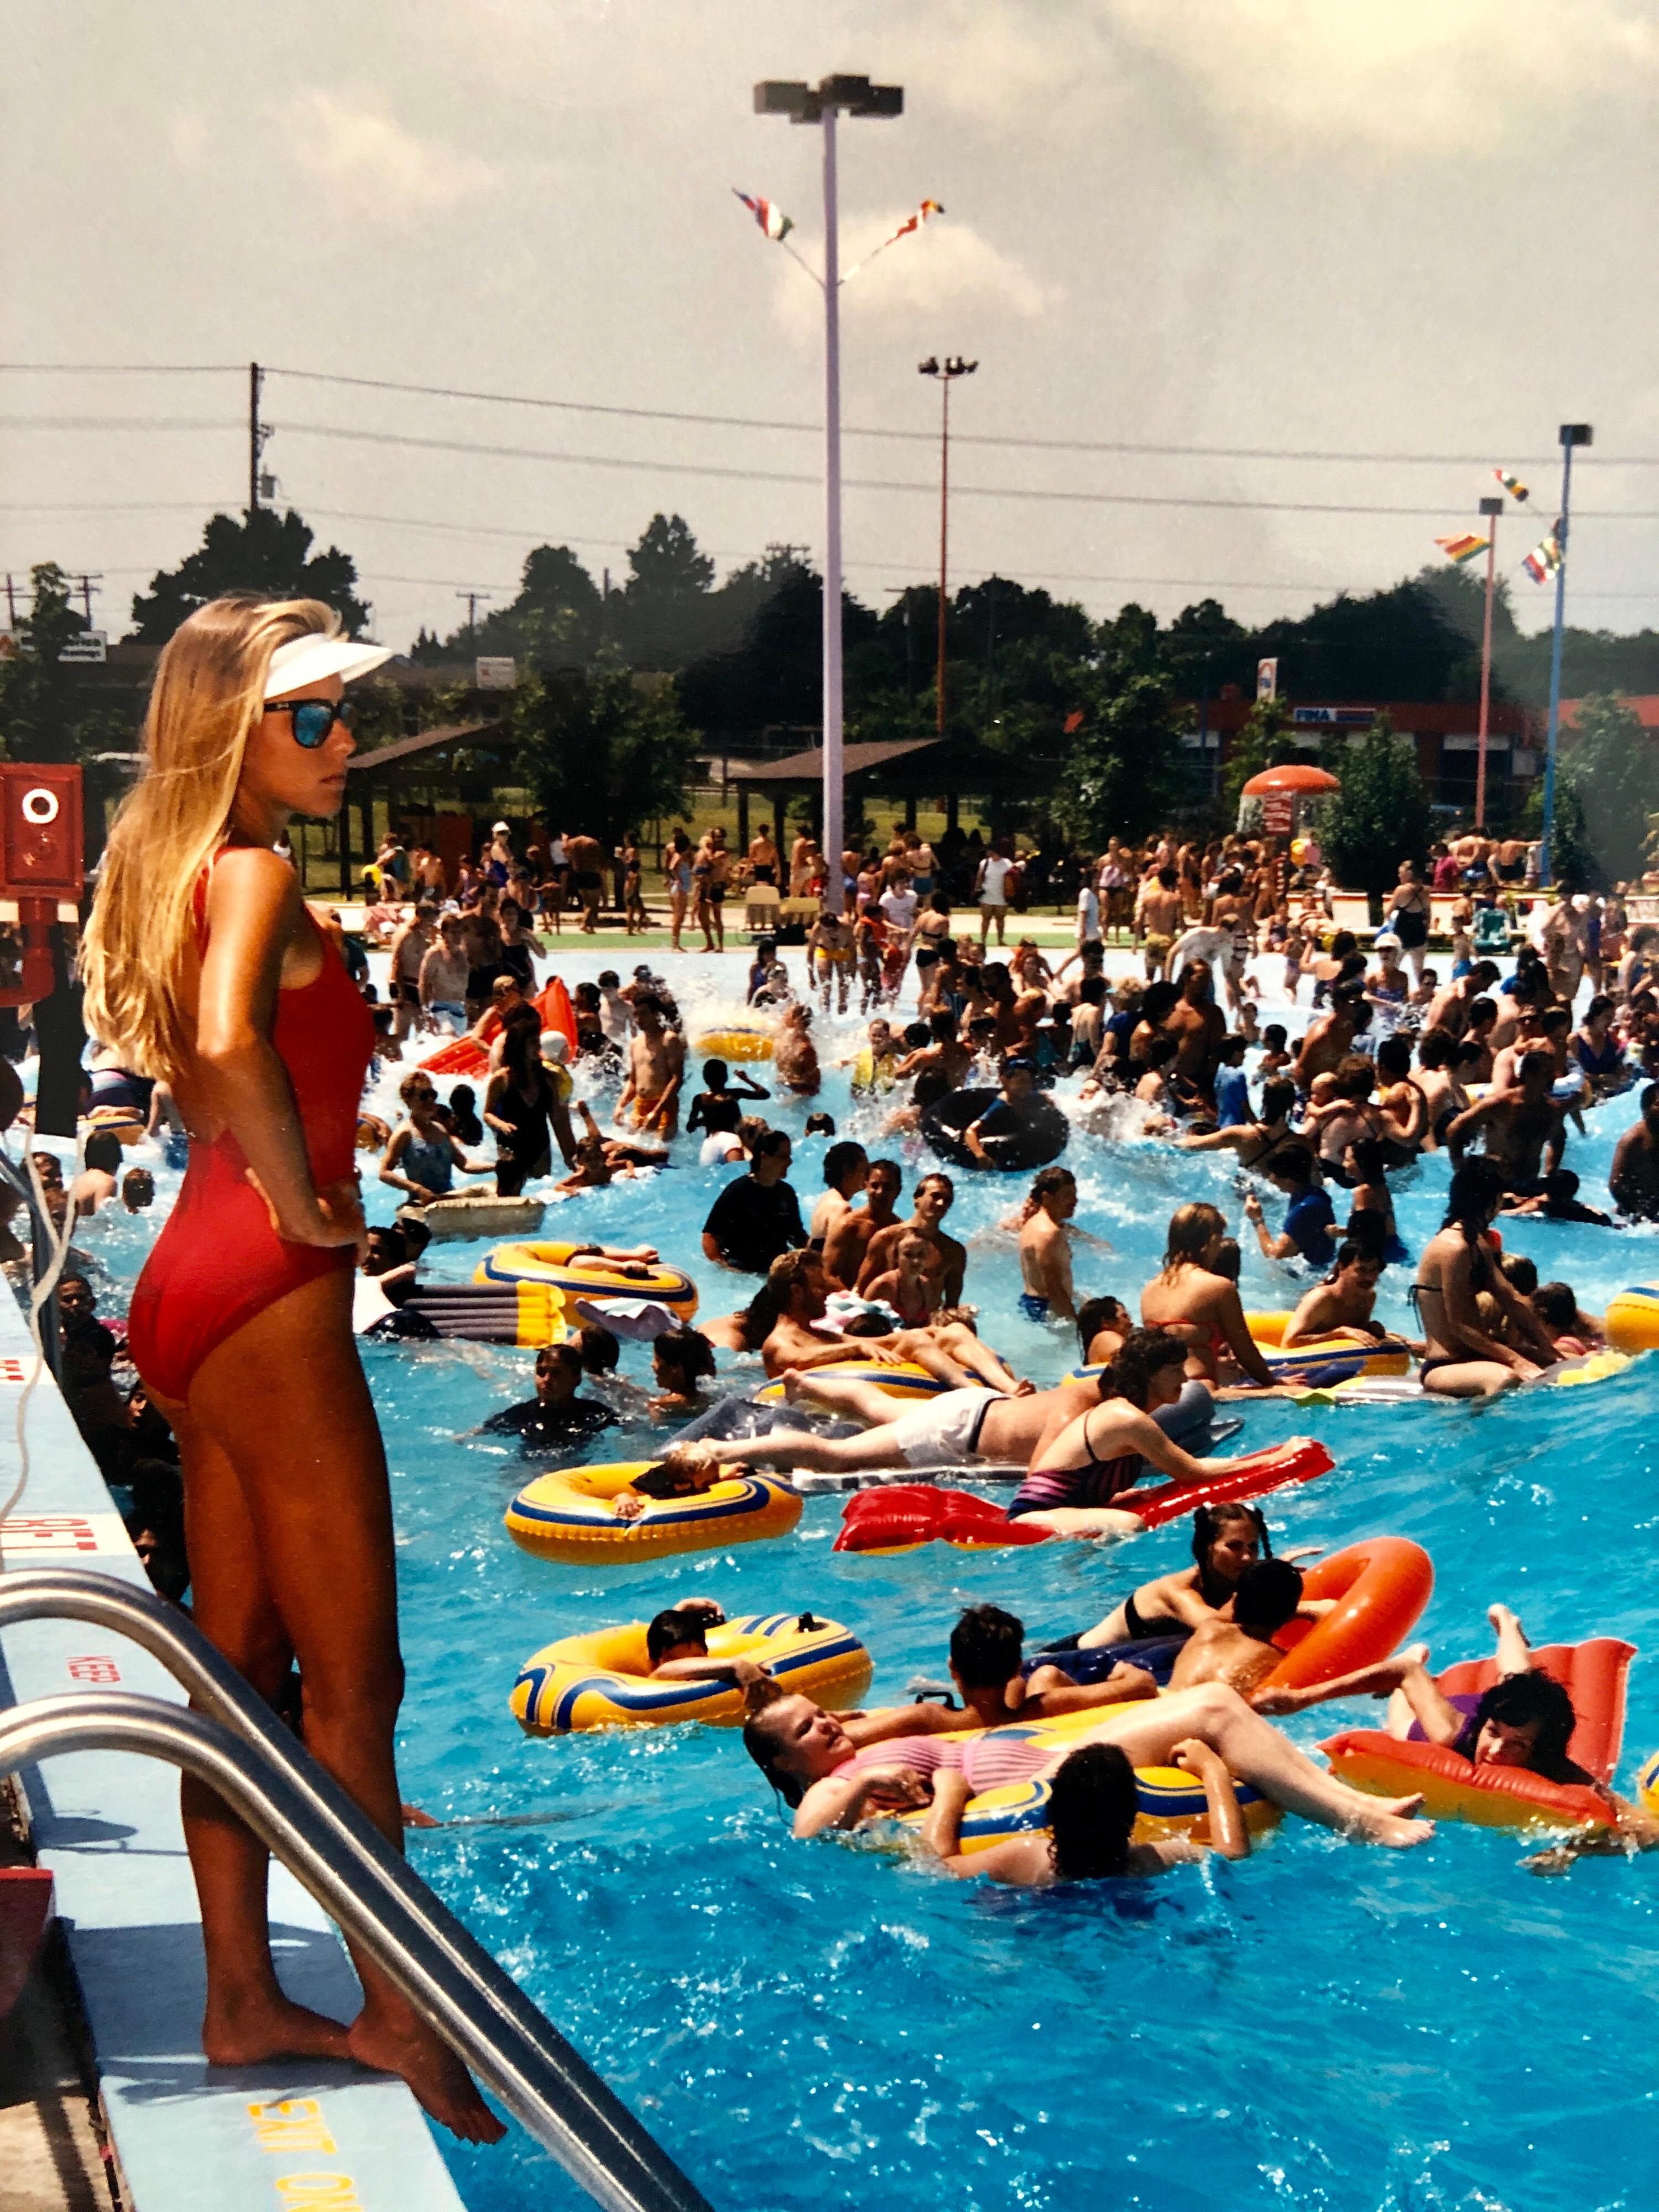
x=1190 y=1300
x=205 y=967
x=1226 y=1539
x=1462 y=1360
x=1255 y=1142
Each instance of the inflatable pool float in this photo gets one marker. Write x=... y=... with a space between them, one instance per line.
x=604 y=1680
x=467 y=1214
x=568 y=1516
x=907 y=1514
x=1454 y=1789
x=1633 y=1319
x=1171 y=1802
x=469 y=1056
x=740 y=1040
x=1042 y=1136
x=1647 y=1784
x=1381 y=1587
x=902 y=1381
x=1325 y=1360
x=578 y=1274
x=1591 y=1367
x=528 y=1314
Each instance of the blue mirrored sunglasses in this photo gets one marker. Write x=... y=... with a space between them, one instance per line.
x=312 y=719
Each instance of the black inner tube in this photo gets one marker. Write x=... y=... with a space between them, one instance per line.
x=1042 y=1135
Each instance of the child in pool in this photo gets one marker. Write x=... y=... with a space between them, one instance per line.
x=681 y=1358
x=717 y=1109
x=908 y=1287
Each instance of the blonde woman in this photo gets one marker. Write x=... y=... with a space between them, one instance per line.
x=203 y=964
x=1190 y=1300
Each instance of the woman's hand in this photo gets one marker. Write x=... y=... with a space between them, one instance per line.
x=1131 y=1681
x=896 y=1788
x=339 y=1218
x=1198 y=1758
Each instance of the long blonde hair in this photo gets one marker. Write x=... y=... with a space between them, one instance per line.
x=208 y=694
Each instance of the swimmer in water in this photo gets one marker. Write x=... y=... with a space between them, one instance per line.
x=1103 y=1324
x=1463 y=1359
x=1241 y=1651
x=987 y=1645
x=829 y=1780
x=1190 y=1300
x=1226 y=1539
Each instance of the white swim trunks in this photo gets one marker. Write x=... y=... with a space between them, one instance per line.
x=944 y=1431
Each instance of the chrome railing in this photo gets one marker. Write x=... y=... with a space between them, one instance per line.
x=238 y=1747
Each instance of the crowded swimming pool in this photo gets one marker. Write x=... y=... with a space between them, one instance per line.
x=811 y=2026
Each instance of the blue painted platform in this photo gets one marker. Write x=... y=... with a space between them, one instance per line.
x=190 y=2138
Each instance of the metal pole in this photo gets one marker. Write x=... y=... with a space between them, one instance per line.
x=944 y=544
x=1546 y=860
x=254 y=439
x=1485 y=682
x=833 y=838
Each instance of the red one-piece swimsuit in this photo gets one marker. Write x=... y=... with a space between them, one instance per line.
x=219 y=1262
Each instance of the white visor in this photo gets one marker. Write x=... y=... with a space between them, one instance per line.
x=307 y=660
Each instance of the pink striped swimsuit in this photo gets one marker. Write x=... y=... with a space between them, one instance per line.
x=987 y=1761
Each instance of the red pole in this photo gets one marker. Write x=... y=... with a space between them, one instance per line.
x=1485 y=683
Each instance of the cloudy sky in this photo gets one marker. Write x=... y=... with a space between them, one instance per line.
x=1415 y=235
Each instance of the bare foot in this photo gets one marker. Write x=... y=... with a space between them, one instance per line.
x=1390 y=1822
x=405 y=2045
x=793 y=1384
x=252 y=2029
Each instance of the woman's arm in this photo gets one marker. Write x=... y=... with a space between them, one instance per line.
x=1228 y=1317
x=491 y=1099
x=834 y=1803
x=389 y=1172
x=1024 y=1862
x=1462 y=1317
x=253 y=909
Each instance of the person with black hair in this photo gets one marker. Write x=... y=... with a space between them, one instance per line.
x=1633 y=1178
x=1370 y=1218
x=1103 y=1324
x=986 y=1647
x=1343 y=1302
x=1558 y=1200
x=556 y=1418
x=849 y=1237
x=1310 y=1230
x=681 y=1359
x=757 y=1218
x=1227 y=1539
x=676 y=1645
x=1523 y=1125
x=1462 y=1359
x=1241 y=1651
x=717 y=1109
x=1257 y=1140
x=831 y=1780
x=846 y=1172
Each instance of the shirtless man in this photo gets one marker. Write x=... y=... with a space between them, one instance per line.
x=935 y=1195
x=585 y=857
x=763 y=859
x=846 y=1171
x=1525 y=1128
x=848 y=1238
x=948 y=1349
x=1329 y=1039
x=945 y=1051
x=1634 y=1180
x=1045 y=1248
x=794 y=1055
x=442 y=980
x=1341 y=1306
x=1240 y=1652
x=1451 y=1009
x=1196 y=1025
x=1158 y=914
x=656 y=1069
x=410 y=946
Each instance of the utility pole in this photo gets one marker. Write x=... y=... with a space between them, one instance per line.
x=256 y=434
x=1572 y=434
x=1489 y=509
x=820 y=104
x=946 y=373
x=474 y=600
x=11 y=602
x=85 y=582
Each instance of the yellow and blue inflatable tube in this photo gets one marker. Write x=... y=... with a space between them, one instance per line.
x=903 y=1381
x=1633 y=1319
x=568 y=1516
x=578 y=1274
x=1171 y=1802
x=742 y=1041
x=1320 y=1363
x=604 y=1680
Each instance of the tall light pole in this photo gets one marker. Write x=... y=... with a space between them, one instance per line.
x=946 y=372
x=1571 y=433
x=1489 y=509
x=820 y=104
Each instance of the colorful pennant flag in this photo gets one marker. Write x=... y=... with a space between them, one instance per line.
x=1513 y=485
x=1463 y=548
x=923 y=213
x=1541 y=563
x=771 y=218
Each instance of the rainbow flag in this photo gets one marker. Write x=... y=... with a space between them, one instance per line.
x=1541 y=563
x=771 y=218
x=1463 y=548
x=1513 y=485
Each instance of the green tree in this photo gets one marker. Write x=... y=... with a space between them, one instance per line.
x=1121 y=765
x=46 y=714
x=1381 y=816
x=603 y=750
x=1612 y=771
x=264 y=552
x=1572 y=861
x=1264 y=740
x=665 y=613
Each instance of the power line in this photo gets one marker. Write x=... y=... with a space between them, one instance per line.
x=115 y=422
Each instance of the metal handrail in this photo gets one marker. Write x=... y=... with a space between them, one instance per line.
x=243 y=1753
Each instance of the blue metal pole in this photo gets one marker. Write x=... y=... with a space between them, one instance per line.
x=1545 y=862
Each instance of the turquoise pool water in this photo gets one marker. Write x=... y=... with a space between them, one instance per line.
x=819 y=2026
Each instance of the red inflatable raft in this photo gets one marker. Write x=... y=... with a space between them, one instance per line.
x=469 y=1055
x=906 y=1515
x=1454 y=1789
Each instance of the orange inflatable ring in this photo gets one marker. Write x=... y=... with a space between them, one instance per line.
x=1381 y=1587
x=1454 y=1789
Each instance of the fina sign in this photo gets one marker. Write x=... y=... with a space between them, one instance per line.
x=495 y=672
x=1267 y=679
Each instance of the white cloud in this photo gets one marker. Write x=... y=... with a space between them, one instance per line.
x=947 y=269
x=377 y=166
